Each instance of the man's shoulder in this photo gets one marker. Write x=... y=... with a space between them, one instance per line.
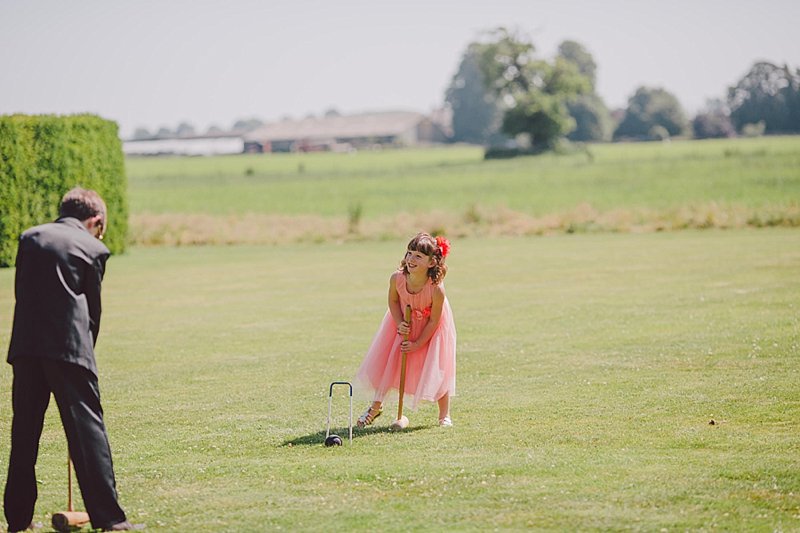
x=64 y=233
x=37 y=230
x=38 y=236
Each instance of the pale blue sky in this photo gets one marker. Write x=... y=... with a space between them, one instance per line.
x=155 y=63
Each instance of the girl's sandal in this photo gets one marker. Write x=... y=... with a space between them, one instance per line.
x=368 y=417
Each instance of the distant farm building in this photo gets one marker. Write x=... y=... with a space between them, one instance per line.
x=220 y=144
x=345 y=132
x=329 y=133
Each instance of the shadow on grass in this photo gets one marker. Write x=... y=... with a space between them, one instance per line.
x=318 y=438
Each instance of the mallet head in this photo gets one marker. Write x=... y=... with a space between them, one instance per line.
x=399 y=424
x=69 y=521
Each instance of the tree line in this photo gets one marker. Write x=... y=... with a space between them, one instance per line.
x=502 y=91
x=185 y=129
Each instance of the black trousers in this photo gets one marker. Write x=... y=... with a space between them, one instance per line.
x=78 y=398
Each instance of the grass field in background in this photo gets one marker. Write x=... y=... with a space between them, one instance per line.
x=750 y=172
x=589 y=368
x=325 y=196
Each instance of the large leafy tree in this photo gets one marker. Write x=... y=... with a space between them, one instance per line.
x=592 y=118
x=508 y=64
x=532 y=93
x=713 y=122
x=542 y=112
x=576 y=53
x=652 y=113
x=476 y=114
x=767 y=93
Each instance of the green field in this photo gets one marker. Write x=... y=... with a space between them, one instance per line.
x=749 y=172
x=590 y=367
x=282 y=198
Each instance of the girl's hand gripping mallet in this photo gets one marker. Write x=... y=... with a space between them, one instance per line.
x=402 y=421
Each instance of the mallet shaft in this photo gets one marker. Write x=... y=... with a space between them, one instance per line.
x=69 y=482
x=407 y=318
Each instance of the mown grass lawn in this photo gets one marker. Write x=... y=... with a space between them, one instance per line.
x=590 y=368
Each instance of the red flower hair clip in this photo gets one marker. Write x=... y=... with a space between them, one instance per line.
x=444 y=245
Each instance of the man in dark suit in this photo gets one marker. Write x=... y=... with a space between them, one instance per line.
x=60 y=268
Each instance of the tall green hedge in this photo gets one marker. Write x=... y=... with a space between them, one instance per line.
x=42 y=157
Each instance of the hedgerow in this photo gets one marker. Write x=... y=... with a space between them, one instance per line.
x=42 y=157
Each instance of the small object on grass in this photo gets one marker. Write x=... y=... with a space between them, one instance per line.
x=712 y=423
x=333 y=440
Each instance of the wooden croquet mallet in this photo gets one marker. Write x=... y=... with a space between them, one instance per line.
x=70 y=519
x=402 y=421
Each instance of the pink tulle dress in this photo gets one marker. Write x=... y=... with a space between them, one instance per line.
x=431 y=370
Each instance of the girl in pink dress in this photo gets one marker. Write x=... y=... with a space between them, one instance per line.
x=431 y=348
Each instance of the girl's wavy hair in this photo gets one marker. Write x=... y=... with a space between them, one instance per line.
x=424 y=243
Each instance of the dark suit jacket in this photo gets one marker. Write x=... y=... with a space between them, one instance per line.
x=60 y=268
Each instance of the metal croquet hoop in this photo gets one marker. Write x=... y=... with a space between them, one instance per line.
x=330 y=402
